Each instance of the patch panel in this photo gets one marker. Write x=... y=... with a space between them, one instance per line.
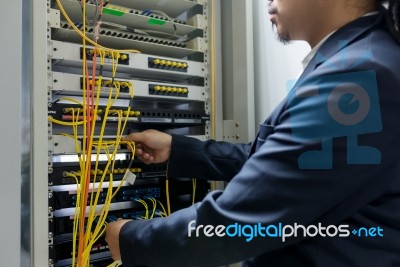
x=67 y=84
x=59 y=170
x=167 y=117
x=142 y=192
x=181 y=189
x=97 y=209
x=109 y=32
x=121 y=40
x=110 y=8
x=110 y=84
x=64 y=225
x=69 y=112
x=61 y=253
x=116 y=111
x=67 y=199
x=122 y=58
x=99 y=172
x=127 y=18
x=64 y=144
x=175 y=117
x=173 y=8
x=68 y=55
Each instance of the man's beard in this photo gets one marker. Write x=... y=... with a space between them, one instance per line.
x=282 y=37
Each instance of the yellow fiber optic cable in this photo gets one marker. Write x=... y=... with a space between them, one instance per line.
x=74 y=232
x=88 y=232
x=115 y=264
x=92 y=210
x=162 y=207
x=167 y=191
x=194 y=182
x=93 y=203
x=64 y=123
x=145 y=206
x=84 y=183
x=108 y=201
x=71 y=100
x=77 y=144
x=154 y=202
x=167 y=196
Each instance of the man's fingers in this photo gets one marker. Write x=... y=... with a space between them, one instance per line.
x=112 y=238
x=147 y=161
x=138 y=151
x=135 y=137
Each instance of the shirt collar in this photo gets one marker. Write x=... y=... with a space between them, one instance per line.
x=314 y=51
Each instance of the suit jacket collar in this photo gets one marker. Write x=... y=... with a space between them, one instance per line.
x=341 y=39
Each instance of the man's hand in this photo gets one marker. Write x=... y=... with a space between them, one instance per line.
x=151 y=146
x=112 y=238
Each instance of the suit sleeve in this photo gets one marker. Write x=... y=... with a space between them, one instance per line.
x=212 y=160
x=271 y=188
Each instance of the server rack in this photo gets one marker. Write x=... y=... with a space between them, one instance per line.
x=144 y=65
x=47 y=76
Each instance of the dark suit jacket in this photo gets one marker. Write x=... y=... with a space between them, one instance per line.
x=354 y=180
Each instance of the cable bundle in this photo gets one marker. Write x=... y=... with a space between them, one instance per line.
x=90 y=218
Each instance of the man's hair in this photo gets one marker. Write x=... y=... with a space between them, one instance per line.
x=392 y=17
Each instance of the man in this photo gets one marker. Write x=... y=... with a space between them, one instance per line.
x=327 y=160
